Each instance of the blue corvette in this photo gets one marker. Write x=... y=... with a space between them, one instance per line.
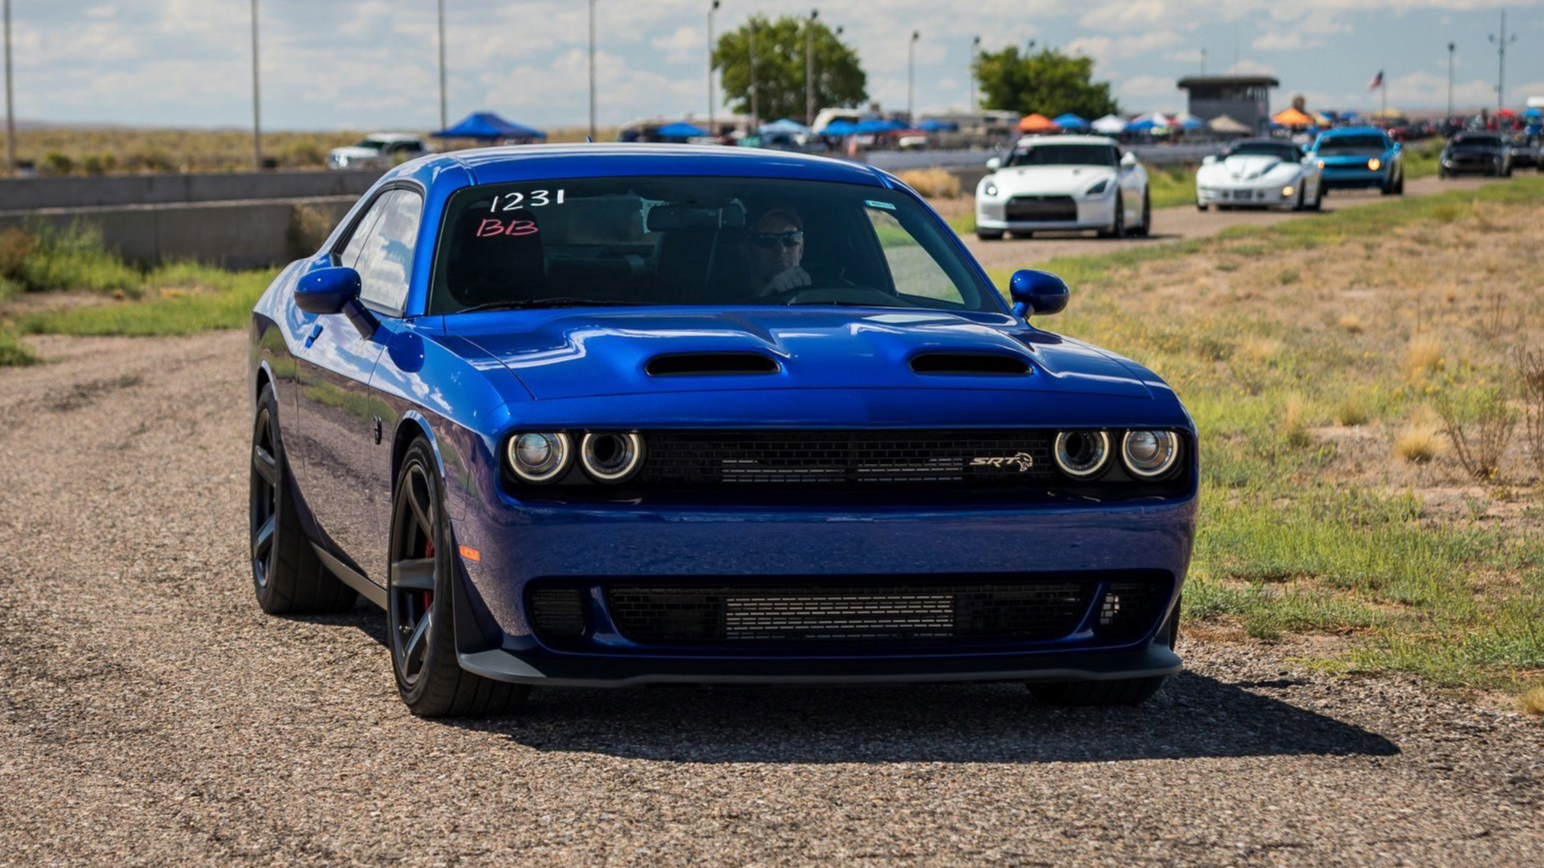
x=1360 y=157
x=619 y=415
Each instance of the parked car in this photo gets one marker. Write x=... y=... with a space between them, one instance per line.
x=1524 y=151
x=1260 y=173
x=1475 y=153
x=546 y=407
x=1360 y=157
x=1060 y=183
x=377 y=151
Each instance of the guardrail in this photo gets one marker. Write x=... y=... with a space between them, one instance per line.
x=34 y=194
x=1152 y=155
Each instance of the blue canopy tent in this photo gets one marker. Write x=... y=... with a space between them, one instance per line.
x=1192 y=123
x=877 y=125
x=680 y=130
x=839 y=128
x=1141 y=125
x=786 y=126
x=1534 y=112
x=933 y=125
x=488 y=127
x=1070 y=121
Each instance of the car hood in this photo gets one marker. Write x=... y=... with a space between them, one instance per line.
x=1050 y=180
x=355 y=153
x=558 y=354
x=1245 y=167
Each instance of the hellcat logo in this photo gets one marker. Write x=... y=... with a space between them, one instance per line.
x=1022 y=460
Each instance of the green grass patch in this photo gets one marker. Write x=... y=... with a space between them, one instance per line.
x=42 y=258
x=12 y=352
x=1171 y=186
x=201 y=299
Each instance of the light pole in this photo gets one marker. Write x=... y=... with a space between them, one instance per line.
x=750 y=38
x=592 y=70
x=10 y=100
x=975 y=53
x=444 y=121
x=257 y=117
x=911 y=74
x=1501 y=43
x=1203 y=61
x=1451 y=48
x=809 y=67
x=712 y=129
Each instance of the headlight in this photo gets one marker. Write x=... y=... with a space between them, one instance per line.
x=539 y=456
x=1099 y=187
x=1288 y=190
x=1149 y=453
x=1321 y=164
x=1374 y=164
x=1082 y=454
x=989 y=190
x=610 y=457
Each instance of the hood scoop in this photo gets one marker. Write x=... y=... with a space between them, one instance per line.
x=969 y=364
x=710 y=365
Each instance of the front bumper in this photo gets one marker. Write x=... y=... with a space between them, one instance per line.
x=1472 y=167
x=593 y=546
x=1091 y=213
x=1353 y=177
x=1247 y=197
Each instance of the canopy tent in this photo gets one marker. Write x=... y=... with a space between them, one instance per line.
x=1070 y=121
x=878 y=125
x=1227 y=126
x=1110 y=125
x=1505 y=113
x=680 y=130
x=1291 y=117
x=1147 y=122
x=1388 y=114
x=839 y=128
x=933 y=125
x=1534 y=112
x=488 y=126
x=1321 y=119
x=1036 y=123
x=784 y=125
x=1191 y=123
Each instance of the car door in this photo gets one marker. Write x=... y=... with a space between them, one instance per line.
x=337 y=413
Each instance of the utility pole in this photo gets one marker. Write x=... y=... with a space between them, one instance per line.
x=809 y=68
x=755 y=124
x=911 y=74
x=444 y=121
x=975 y=53
x=257 y=117
x=1451 y=48
x=10 y=100
x=592 y=70
x=1501 y=43
x=712 y=129
x=1203 y=61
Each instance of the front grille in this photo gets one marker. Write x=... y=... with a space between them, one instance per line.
x=851 y=459
x=1042 y=209
x=834 y=613
x=1128 y=609
x=557 y=613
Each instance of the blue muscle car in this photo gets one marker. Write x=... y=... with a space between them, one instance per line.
x=1352 y=157
x=614 y=415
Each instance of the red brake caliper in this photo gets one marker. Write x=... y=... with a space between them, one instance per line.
x=427 y=596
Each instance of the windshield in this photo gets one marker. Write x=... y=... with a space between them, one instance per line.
x=1351 y=144
x=1473 y=141
x=372 y=144
x=712 y=241
x=1264 y=149
x=1064 y=155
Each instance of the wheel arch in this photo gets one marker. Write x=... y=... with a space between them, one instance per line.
x=410 y=427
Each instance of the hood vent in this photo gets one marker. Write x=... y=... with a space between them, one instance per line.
x=970 y=364
x=710 y=365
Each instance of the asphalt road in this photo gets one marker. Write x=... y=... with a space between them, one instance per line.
x=151 y=715
x=1181 y=223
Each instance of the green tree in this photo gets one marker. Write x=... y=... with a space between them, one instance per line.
x=839 y=78
x=1047 y=82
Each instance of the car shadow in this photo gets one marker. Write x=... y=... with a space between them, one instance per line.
x=1193 y=716
x=1094 y=238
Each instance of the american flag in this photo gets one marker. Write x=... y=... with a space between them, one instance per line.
x=1377 y=81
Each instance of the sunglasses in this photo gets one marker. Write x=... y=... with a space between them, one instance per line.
x=769 y=240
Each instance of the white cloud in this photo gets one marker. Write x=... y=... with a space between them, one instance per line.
x=1250 y=67
x=1106 y=48
x=1149 y=86
x=1284 y=40
x=686 y=43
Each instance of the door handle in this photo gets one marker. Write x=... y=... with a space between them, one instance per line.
x=316 y=332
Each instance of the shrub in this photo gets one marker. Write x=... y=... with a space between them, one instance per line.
x=1529 y=366
x=73 y=258
x=934 y=183
x=1479 y=423
x=1350 y=323
x=1417 y=441
x=1351 y=411
x=1422 y=357
x=57 y=163
x=1533 y=701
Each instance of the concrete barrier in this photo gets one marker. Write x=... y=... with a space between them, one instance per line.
x=247 y=234
x=31 y=194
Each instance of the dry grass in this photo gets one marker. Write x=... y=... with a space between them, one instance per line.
x=1351 y=410
x=933 y=183
x=1532 y=701
x=1350 y=323
x=1423 y=357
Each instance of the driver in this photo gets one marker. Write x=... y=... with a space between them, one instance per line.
x=772 y=248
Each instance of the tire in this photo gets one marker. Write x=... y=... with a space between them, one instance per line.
x=1318 y=198
x=1400 y=190
x=1146 y=228
x=420 y=603
x=989 y=234
x=1118 y=227
x=1302 y=195
x=1200 y=207
x=287 y=575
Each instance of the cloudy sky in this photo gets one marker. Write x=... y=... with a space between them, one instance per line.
x=371 y=63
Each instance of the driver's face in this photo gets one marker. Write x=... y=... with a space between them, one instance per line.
x=772 y=249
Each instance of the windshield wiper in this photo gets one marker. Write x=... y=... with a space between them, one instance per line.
x=556 y=301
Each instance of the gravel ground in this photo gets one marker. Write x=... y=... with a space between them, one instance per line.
x=151 y=715
x=1182 y=223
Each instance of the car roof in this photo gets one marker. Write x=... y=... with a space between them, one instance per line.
x=1264 y=141
x=394 y=137
x=616 y=159
x=1034 y=141
x=1352 y=131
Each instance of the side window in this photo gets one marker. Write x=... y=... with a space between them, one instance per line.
x=385 y=262
x=356 y=242
x=914 y=271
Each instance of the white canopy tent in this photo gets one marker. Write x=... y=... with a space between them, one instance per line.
x=1109 y=125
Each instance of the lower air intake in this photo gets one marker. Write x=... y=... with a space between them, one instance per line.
x=557 y=613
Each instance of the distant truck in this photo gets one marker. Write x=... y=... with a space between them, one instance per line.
x=378 y=151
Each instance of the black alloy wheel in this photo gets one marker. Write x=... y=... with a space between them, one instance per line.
x=420 y=604
x=287 y=575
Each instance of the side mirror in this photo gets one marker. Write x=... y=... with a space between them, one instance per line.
x=1037 y=292
x=327 y=290
x=1209 y=159
x=1128 y=159
x=994 y=164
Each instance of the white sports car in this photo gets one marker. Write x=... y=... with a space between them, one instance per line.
x=1260 y=173
x=1060 y=183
